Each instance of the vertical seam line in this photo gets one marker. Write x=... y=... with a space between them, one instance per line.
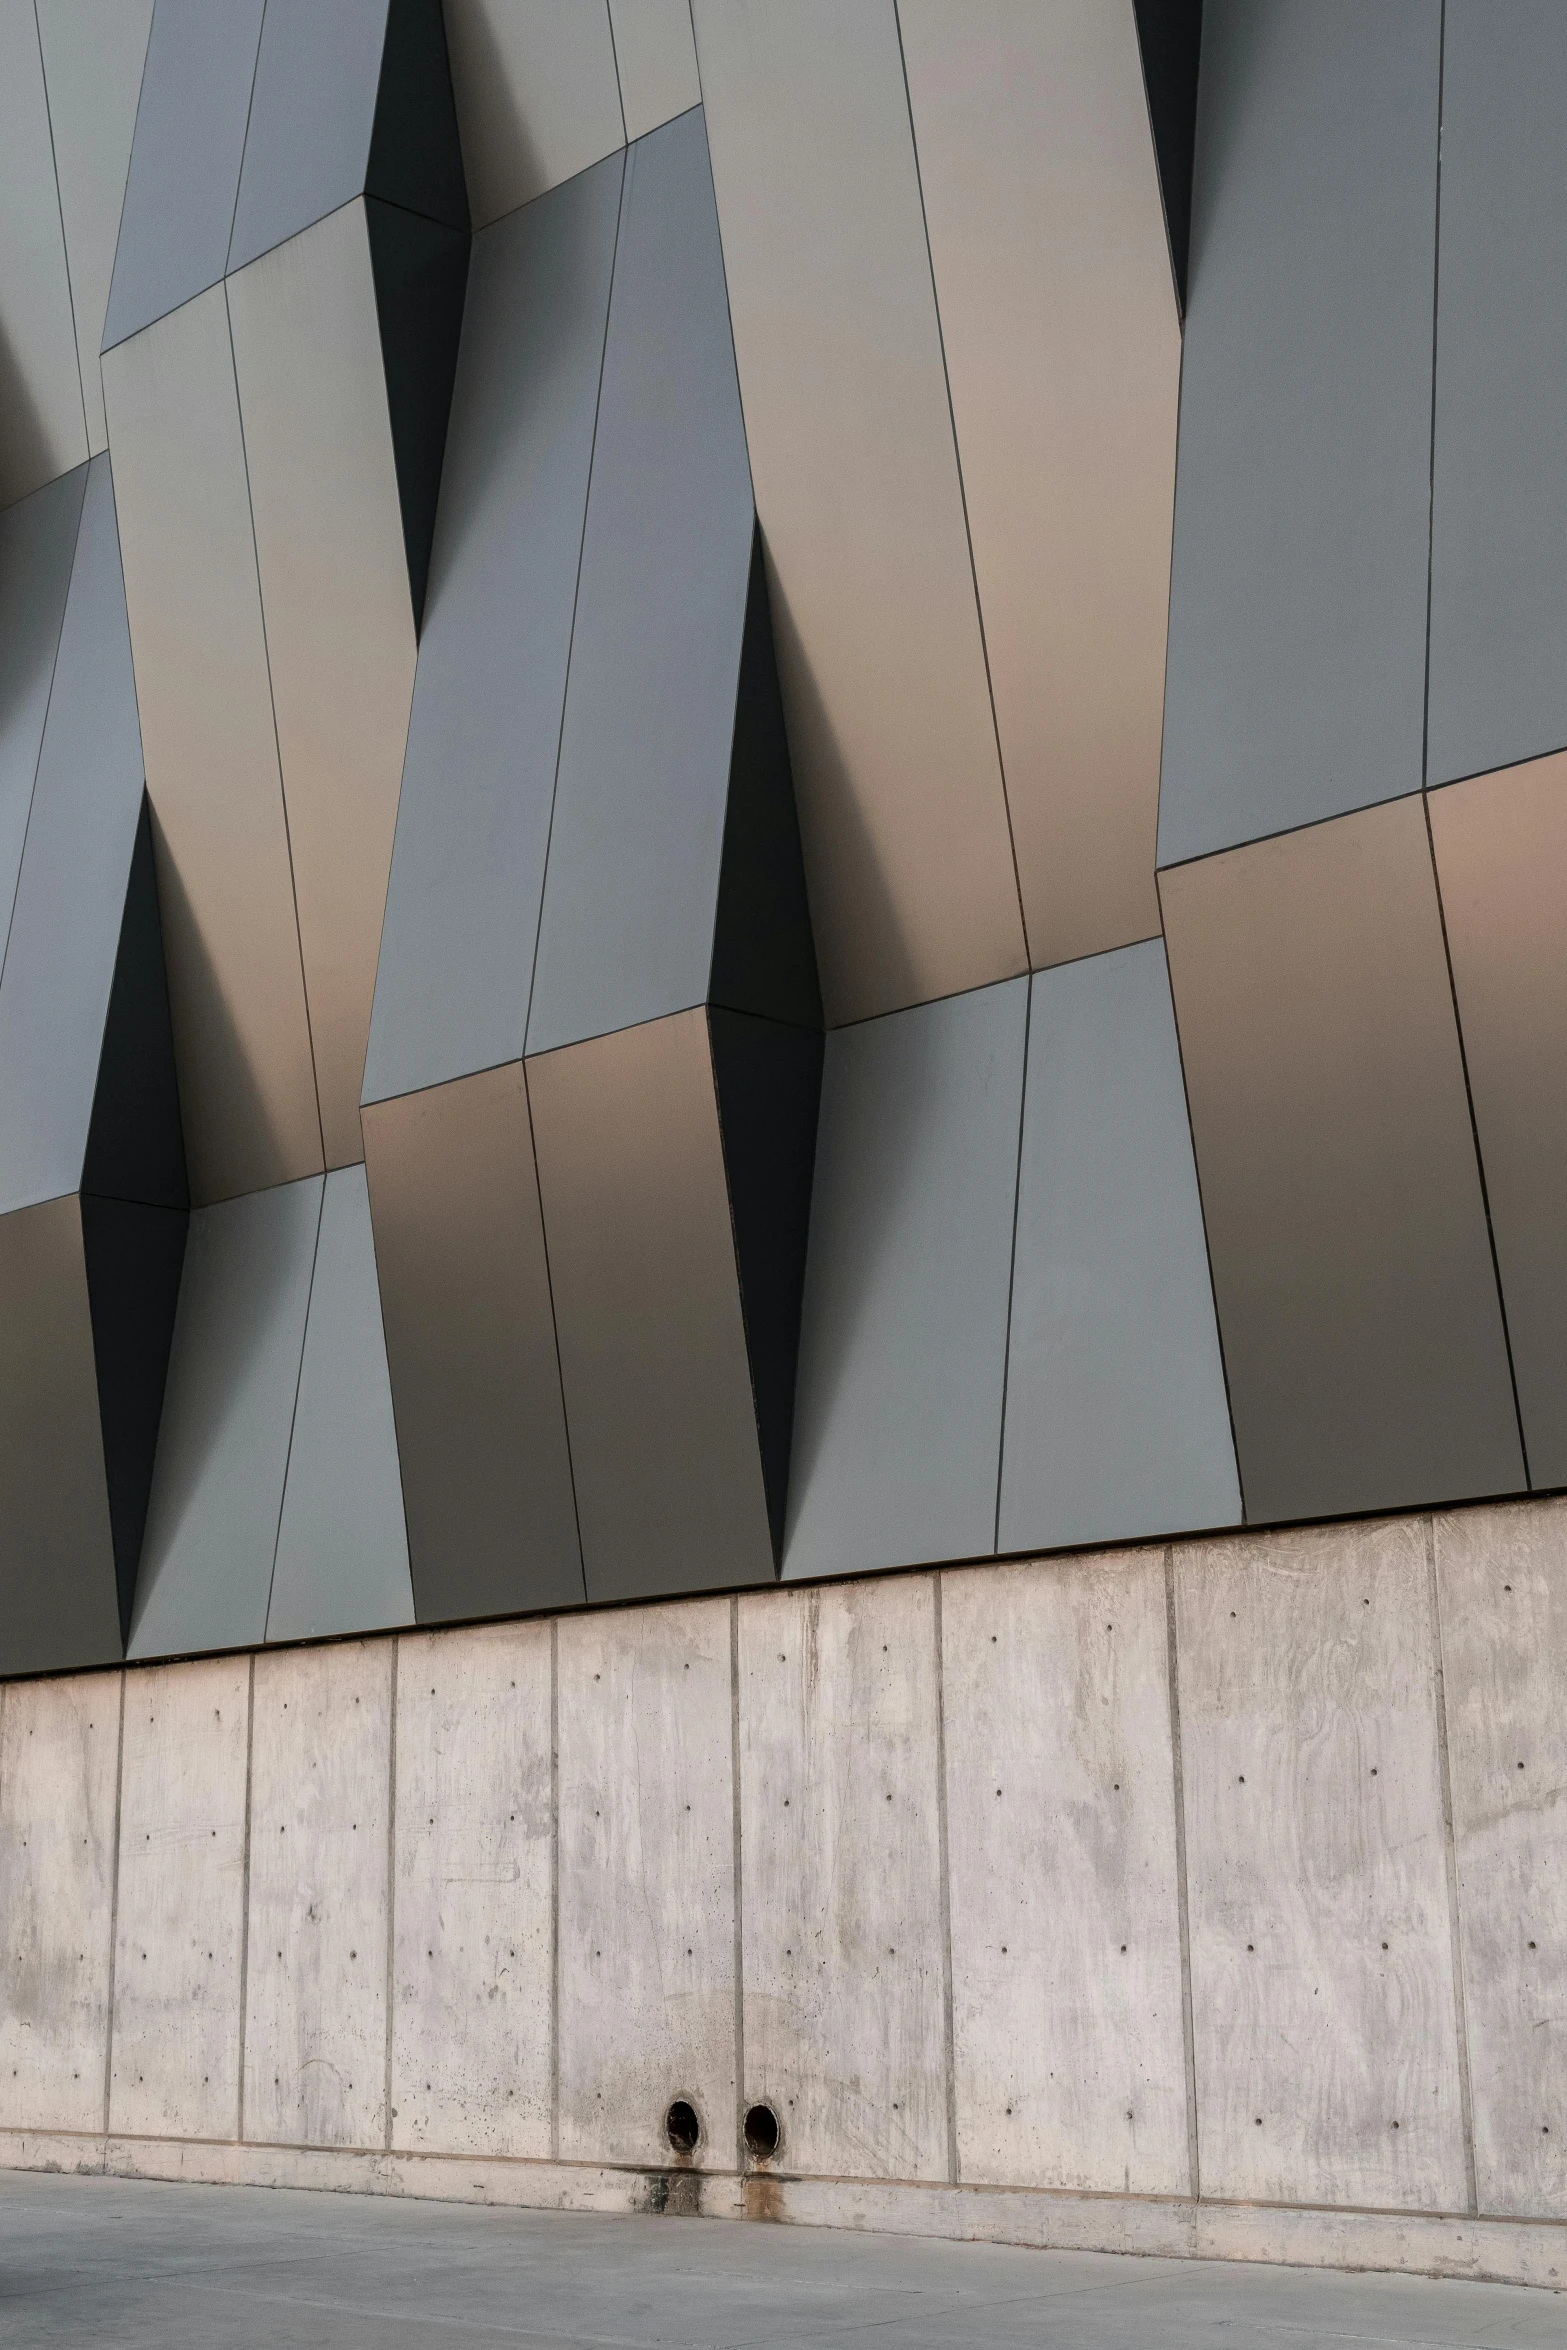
x=391 y=1890
x=293 y=1417
x=614 y=52
x=114 y=1917
x=1450 y=1856
x=968 y=533
x=554 y=1888
x=949 y=2036
x=1188 y=2018
x=250 y=105
x=54 y=671
x=1017 y=1202
x=560 y=1371
x=244 y=1927
x=739 y=1877
x=59 y=205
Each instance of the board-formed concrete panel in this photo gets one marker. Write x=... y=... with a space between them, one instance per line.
x=903 y=1339
x=1296 y=677
x=315 y=2008
x=342 y=1545
x=1352 y=1265
x=1324 y=2007
x=646 y=1795
x=43 y=429
x=1063 y=350
x=841 y=1899
x=1499 y=495
x=59 y=1745
x=1500 y=843
x=93 y=59
x=233 y=1385
x=1116 y=1421
x=655 y=59
x=902 y=810
x=462 y=908
x=183 y=180
x=180 y=1901
x=537 y=98
x=236 y=986
x=1502 y=1586
x=1069 y=2057
x=473 y=1998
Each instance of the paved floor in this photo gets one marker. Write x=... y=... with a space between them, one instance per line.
x=115 y=2261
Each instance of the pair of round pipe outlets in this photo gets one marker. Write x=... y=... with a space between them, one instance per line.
x=683 y=2129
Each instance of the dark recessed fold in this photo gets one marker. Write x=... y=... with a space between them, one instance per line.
x=415 y=152
x=134 y=1256
x=135 y=1145
x=421 y=276
x=1169 y=33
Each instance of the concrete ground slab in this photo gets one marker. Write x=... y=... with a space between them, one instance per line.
x=136 y=2264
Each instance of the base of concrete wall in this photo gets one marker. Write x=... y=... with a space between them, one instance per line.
x=1438 y=2244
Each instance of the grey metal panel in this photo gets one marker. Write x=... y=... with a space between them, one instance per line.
x=1501 y=860
x=470 y=1338
x=1499 y=488
x=626 y=932
x=1063 y=350
x=339 y=626
x=655 y=58
x=93 y=58
x=1352 y=1267
x=311 y=114
x=902 y=811
x=37 y=549
x=342 y=1550
x=242 y=1037
x=897 y=1424
x=653 y=1361
x=65 y=929
x=1298 y=590
x=43 y=429
x=1116 y=1422
x=462 y=909
x=185 y=159
x=217 y=1486
x=58 y=1606
x=537 y=98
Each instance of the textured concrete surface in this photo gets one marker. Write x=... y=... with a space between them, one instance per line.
x=87 y=2261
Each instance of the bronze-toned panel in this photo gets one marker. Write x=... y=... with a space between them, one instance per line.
x=242 y=1037
x=465 y=1300
x=340 y=632
x=1352 y=1267
x=653 y=1358
x=58 y=1603
x=1501 y=859
x=1063 y=350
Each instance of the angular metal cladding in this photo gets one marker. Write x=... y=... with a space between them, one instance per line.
x=481 y=1432
x=1063 y=350
x=93 y=1195
x=1363 y=1336
x=42 y=424
x=1117 y=1424
x=655 y=60
x=1501 y=863
x=1297 y=636
x=473 y=819
x=37 y=548
x=537 y=97
x=1169 y=40
x=904 y=1340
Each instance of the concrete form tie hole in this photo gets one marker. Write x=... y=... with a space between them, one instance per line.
x=682 y=2126
x=761 y=2133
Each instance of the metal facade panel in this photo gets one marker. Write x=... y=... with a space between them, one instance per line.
x=631 y=887
x=217 y=1487
x=913 y=888
x=339 y=625
x=1063 y=349
x=70 y=901
x=537 y=97
x=1501 y=861
x=653 y=1360
x=58 y=1601
x=903 y=1340
x=183 y=180
x=462 y=909
x=1351 y=1261
x=1324 y=2006
x=1499 y=494
x=342 y=1548
x=37 y=551
x=470 y=1338
x=93 y=58
x=1303 y=494
x=307 y=143
x=1117 y=1423
x=242 y=1036
x=43 y=429
x=655 y=58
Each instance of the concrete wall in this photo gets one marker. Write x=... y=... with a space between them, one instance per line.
x=1207 y=1898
